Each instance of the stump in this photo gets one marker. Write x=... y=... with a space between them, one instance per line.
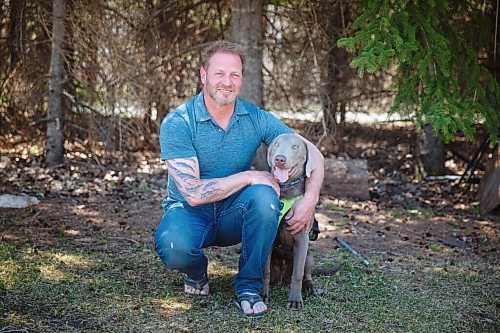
x=346 y=178
x=489 y=188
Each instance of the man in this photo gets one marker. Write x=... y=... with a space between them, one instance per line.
x=214 y=199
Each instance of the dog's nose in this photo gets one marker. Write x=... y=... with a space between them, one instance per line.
x=280 y=160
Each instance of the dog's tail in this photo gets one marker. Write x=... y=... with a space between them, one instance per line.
x=327 y=271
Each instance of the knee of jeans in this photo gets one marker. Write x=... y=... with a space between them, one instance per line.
x=265 y=203
x=174 y=252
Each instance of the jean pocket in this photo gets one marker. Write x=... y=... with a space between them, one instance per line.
x=169 y=203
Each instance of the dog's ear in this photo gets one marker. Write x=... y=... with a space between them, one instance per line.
x=309 y=164
x=270 y=151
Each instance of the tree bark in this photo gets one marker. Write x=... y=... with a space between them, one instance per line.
x=17 y=29
x=430 y=152
x=489 y=188
x=246 y=29
x=55 y=117
x=338 y=73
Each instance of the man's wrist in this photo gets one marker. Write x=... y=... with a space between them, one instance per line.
x=312 y=197
x=247 y=179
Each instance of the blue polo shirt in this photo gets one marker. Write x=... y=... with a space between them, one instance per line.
x=190 y=131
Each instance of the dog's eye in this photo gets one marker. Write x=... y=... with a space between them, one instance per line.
x=295 y=147
x=276 y=144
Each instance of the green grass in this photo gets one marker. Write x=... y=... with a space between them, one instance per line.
x=411 y=213
x=334 y=207
x=475 y=209
x=400 y=213
x=104 y=288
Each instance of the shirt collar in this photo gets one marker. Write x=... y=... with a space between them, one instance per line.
x=202 y=114
x=200 y=110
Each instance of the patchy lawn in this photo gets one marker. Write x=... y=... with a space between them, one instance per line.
x=69 y=266
x=83 y=260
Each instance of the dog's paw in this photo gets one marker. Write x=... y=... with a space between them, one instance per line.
x=295 y=302
x=308 y=287
x=265 y=296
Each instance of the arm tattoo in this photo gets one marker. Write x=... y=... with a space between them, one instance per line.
x=183 y=175
x=188 y=184
x=185 y=165
x=210 y=189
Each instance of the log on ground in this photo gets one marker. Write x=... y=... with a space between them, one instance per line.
x=346 y=178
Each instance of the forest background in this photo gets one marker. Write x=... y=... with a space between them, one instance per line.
x=84 y=86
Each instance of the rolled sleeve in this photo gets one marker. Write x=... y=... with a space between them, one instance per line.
x=175 y=138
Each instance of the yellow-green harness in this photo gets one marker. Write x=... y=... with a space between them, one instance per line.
x=287 y=205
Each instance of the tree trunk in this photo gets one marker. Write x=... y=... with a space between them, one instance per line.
x=430 y=152
x=489 y=188
x=246 y=29
x=15 y=37
x=337 y=75
x=55 y=117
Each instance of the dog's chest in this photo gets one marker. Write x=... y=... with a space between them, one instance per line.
x=285 y=237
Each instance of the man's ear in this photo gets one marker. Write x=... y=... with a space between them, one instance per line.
x=203 y=75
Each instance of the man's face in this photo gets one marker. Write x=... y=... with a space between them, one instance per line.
x=223 y=78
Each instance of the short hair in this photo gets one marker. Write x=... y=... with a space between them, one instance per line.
x=222 y=46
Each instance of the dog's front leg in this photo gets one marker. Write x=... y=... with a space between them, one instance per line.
x=300 y=247
x=267 y=278
x=307 y=283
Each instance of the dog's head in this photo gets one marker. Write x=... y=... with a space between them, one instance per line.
x=288 y=158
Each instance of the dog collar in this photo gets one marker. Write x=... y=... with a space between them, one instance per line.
x=295 y=182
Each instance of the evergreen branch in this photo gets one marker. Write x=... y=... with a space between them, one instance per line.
x=437 y=75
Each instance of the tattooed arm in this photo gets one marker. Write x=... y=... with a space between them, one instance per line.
x=196 y=191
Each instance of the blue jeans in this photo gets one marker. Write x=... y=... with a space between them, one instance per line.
x=249 y=216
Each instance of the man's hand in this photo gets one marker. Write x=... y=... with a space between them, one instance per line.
x=263 y=178
x=299 y=217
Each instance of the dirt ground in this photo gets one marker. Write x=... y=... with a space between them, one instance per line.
x=118 y=197
x=82 y=260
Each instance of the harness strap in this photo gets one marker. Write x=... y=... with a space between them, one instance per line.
x=287 y=205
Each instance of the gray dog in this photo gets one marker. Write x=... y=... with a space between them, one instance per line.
x=288 y=158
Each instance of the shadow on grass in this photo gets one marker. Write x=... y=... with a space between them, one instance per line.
x=59 y=289
x=102 y=279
